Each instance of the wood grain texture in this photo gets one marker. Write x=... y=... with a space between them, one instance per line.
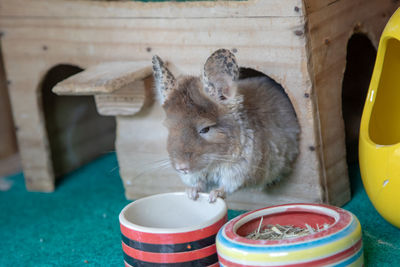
x=9 y=159
x=277 y=48
x=8 y=145
x=129 y=9
x=185 y=42
x=316 y=5
x=330 y=25
x=125 y=101
x=305 y=53
x=118 y=87
x=103 y=78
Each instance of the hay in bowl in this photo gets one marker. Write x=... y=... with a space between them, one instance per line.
x=332 y=236
x=279 y=232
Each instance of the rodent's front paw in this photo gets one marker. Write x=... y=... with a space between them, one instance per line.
x=214 y=194
x=192 y=193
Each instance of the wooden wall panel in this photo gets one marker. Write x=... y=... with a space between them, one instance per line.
x=169 y=9
x=300 y=44
x=9 y=160
x=276 y=48
x=7 y=136
x=330 y=25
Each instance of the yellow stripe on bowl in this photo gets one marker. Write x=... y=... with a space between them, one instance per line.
x=293 y=256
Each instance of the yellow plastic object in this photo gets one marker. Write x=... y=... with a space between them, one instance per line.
x=379 y=147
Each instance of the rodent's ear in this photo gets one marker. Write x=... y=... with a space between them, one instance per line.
x=220 y=73
x=163 y=78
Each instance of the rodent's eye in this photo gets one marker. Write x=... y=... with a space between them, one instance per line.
x=205 y=130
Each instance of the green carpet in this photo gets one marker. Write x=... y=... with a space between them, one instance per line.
x=77 y=225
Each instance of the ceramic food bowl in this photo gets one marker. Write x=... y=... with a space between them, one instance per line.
x=379 y=142
x=339 y=243
x=171 y=230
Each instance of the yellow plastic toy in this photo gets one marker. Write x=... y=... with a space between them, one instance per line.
x=379 y=145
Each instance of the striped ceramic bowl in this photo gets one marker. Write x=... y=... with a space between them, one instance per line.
x=171 y=230
x=339 y=243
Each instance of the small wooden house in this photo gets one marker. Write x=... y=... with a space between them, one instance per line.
x=299 y=43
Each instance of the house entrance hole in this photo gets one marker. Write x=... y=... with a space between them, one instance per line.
x=77 y=133
x=359 y=66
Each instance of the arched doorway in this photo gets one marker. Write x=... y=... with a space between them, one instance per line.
x=77 y=133
x=359 y=66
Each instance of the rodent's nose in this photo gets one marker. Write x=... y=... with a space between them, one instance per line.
x=182 y=167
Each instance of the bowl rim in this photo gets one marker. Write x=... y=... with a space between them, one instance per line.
x=341 y=217
x=220 y=215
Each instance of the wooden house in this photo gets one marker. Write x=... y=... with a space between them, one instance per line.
x=302 y=44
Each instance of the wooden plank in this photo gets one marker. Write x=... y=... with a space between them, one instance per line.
x=125 y=101
x=159 y=32
x=277 y=48
x=118 y=86
x=316 y=5
x=339 y=186
x=8 y=144
x=347 y=17
x=330 y=25
x=104 y=78
x=29 y=124
x=186 y=43
x=131 y=9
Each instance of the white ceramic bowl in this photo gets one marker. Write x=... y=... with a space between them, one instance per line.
x=171 y=229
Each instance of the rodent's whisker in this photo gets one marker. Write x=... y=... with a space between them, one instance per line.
x=152 y=166
x=162 y=160
x=255 y=136
x=152 y=169
x=227 y=159
x=159 y=162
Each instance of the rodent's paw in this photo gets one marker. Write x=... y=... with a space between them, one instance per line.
x=216 y=193
x=192 y=193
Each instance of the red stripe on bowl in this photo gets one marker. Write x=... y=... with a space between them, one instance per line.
x=336 y=258
x=169 y=257
x=173 y=238
x=344 y=219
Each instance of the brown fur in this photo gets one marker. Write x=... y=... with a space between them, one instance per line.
x=227 y=133
x=189 y=110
